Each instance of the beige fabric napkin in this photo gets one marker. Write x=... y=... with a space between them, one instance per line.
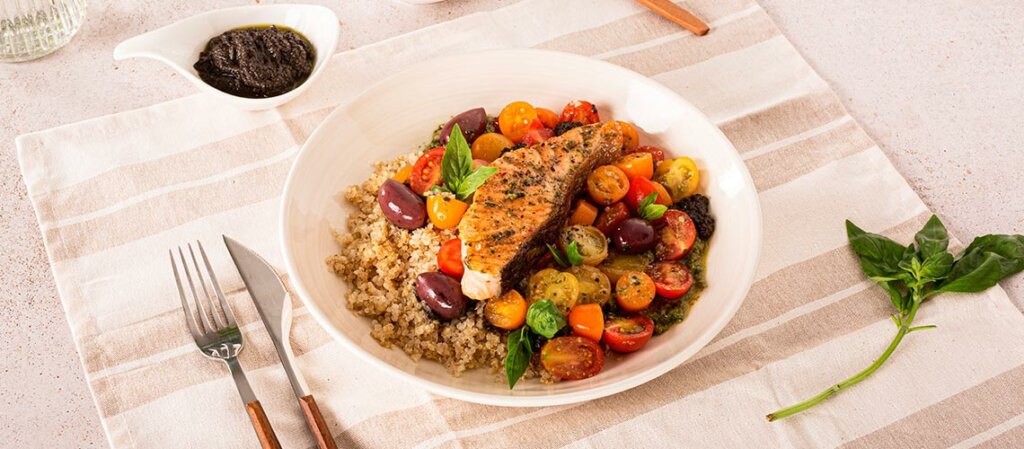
x=113 y=193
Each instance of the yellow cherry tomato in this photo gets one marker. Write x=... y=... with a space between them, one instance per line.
x=445 y=212
x=595 y=288
x=514 y=121
x=488 y=147
x=563 y=289
x=636 y=164
x=679 y=176
x=507 y=311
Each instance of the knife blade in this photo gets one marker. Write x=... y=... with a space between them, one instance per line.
x=275 y=309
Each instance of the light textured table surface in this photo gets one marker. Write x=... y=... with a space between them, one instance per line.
x=938 y=85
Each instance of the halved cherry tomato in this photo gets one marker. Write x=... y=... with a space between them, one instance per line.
x=679 y=176
x=618 y=264
x=628 y=333
x=489 y=146
x=595 y=288
x=634 y=291
x=403 y=174
x=640 y=188
x=580 y=111
x=587 y=320
x=607 y=184
x=672 y=280
x=537 y=133
x=507 y=311
x=657 y=153
x=426 y=172
x=630 y=136
x=572 y=358
x=449 y=258
x=664 y=198
x=590 y=242
x=610 y=218
x=515 y=119
x=548 y=117
x=583 y=214
x=636 y=165
x=563 y=289
x=445 y=212
x=677 y=236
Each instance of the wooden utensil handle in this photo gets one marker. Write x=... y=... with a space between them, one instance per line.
x=671 y=11
x=260 y=423
x=316 y=422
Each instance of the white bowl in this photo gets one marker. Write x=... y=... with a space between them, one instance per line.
x=179 y=44
x=398 y=114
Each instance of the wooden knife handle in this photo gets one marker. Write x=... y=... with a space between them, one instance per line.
x=673 y=12
x=260 y=423
x=316 y=422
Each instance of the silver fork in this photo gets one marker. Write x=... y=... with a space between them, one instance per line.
x=218 y=337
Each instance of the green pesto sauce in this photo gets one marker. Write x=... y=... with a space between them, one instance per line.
x=666 y=313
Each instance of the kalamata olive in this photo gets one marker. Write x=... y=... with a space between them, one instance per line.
x=401 y=206
x=442 y=293
x=634 y=236
x=473 y=123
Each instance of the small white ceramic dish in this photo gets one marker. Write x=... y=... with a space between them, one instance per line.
x=397 y=115
x=179 y=44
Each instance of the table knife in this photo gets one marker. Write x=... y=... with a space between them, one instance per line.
x=275 y=309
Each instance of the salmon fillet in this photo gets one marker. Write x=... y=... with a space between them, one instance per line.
x=524 y=204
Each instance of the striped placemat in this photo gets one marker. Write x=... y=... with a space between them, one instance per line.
x=113 y=193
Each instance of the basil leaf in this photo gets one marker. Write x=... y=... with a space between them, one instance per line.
x=650 y=211
x=473 y=181
x=932 y=239
x=572 y=252
x=935 y=267
x=879 y=256
x=544 y=318
x=559 y=259
x=647 y=201
x=457 y=162
x=984 y=262
x=899 y=299
x=518 y=355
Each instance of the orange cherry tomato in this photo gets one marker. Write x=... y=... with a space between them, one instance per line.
x=634 y=291
x=630 y=136
x=548 y=117
x=584 y=214
x=580 y=111
x=587 y=320
x=426 y=172
x=607 y=184
x=488 y=147
x=507 y=311
x=449 y=258
x=636 y=164
x=664 y=198
x=572 y=358
x=515 y=119
x=403 y=174
x=445 y=212
x=657 y=153
x=628 y=333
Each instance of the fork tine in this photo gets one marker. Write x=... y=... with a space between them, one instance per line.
x=204 y=321
x=206 y=293
x=216 y=287
x=190 y=319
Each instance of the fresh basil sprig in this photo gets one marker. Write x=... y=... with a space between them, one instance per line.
x=572 y=255
x=542 y=319
x=457 y=167
x=913 y=274
x=650 y=211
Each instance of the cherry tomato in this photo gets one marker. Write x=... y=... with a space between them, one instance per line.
x=580 y=111
x=636 y=165
x=563 y=289
x=618 y=264
x=402 y=175
x=680 y=176
x=572 y=358
x=445 y=212
x=664 y=198
x=449 y=258
x=610 y=218
x=489 y=146
x=628 y=333
x=672 y=280
x=583 y=214
x=587 y=320
x=639 y=188
x=595 y=288
x=507 y=311
x=514 y=121
x=677 y=236
x=537 y=133
x=657 y=153
x=590 y=242
x=630 y=136
x=548 y=117
x=634 y=291
x=607 y=184
x=426 y=172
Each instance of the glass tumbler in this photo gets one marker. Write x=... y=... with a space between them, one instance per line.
x=33 y=28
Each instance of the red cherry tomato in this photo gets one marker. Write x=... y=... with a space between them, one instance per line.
x=628 y=333
x=449 y=258
x=676 y=237
x=426 y=172
x=610 y=218
x=639 y=188
x=657 y=153
x=580 y=111
x=572 y=358
x=537 y=133
x=672 y=280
